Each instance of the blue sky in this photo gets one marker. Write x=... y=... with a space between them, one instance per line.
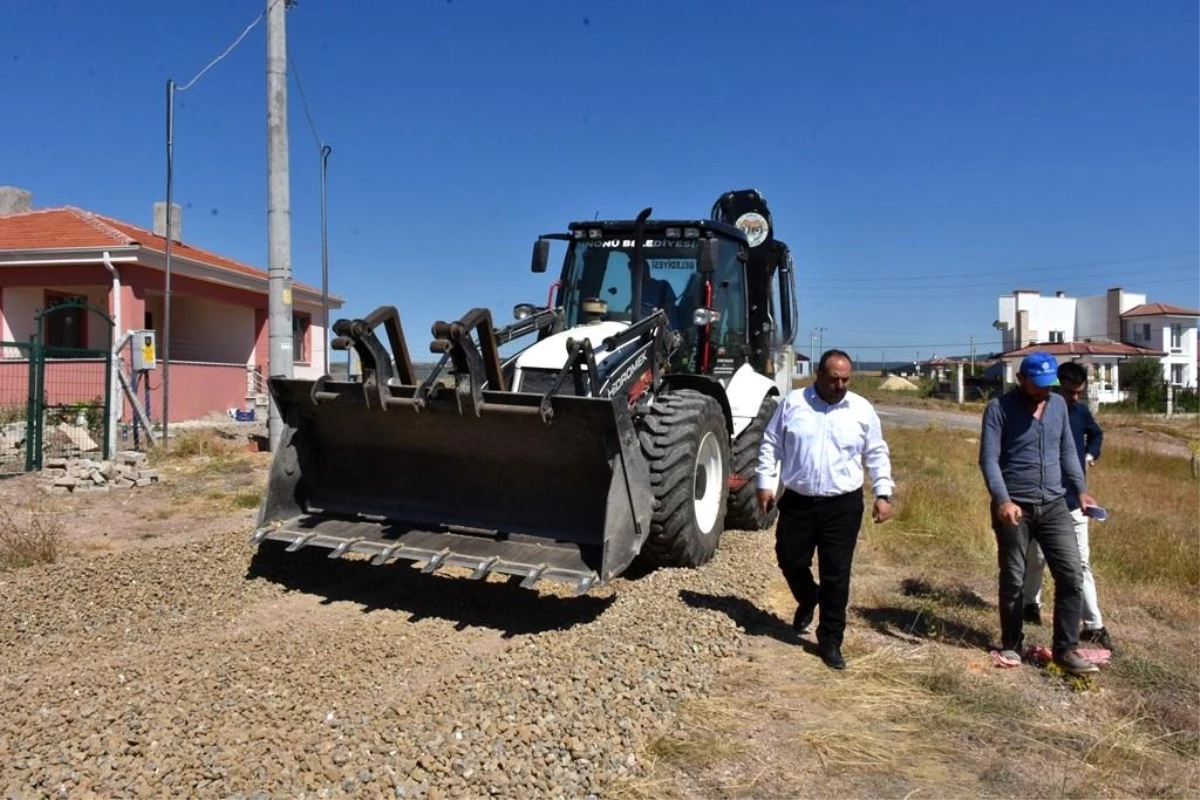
x=920 y=158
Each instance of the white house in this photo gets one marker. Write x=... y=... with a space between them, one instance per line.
x=1100 y=332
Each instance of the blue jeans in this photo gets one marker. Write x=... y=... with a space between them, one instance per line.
x=1051 y=526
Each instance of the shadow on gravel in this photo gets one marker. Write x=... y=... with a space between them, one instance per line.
x=752 y=619
x=504 y=607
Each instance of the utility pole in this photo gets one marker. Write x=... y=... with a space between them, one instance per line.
x=972 y=356
x=812 y=340
x=821 y=331
x=279 y=221
x=166 y=340
x=325 y=151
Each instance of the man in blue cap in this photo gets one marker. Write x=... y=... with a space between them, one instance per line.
x=1026 y=452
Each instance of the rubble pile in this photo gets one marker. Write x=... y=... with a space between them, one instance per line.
x=69 y=475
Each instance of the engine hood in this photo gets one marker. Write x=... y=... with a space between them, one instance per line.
x=551 y=352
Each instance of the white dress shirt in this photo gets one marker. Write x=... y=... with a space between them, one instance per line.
x=822 y=448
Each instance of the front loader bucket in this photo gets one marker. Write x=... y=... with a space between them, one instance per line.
x=362 y=470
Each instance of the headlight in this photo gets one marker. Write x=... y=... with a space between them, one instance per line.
x=524 y=310
x=705 y=316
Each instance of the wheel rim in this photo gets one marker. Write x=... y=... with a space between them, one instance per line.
x=706 y=484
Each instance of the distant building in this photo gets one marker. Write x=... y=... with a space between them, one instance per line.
x=1100 y=332
x=803 y=365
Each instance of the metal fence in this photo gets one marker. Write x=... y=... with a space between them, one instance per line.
x=54 y=399
x=16 y=417
x=71 y=403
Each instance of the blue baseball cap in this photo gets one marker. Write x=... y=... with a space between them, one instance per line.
x=1041 y=368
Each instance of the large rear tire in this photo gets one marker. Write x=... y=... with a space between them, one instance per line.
x=686 y=444
x=743 y=511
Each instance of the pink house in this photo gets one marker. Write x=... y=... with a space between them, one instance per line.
x=219 y=344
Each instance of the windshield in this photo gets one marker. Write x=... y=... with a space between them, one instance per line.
x=602 y=269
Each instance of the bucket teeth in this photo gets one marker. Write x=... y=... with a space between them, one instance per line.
x=299 y=542
x=345 y=546
x=386 y=555
x=435 y=561
x=533 y=577
x=584 y=585
x=484 y=568
x=432 y=551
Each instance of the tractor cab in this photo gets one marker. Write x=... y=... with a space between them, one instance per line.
x=726 y=285
x=692 y=270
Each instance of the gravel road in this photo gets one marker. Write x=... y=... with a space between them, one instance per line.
x=174 y=671
x=907 y=417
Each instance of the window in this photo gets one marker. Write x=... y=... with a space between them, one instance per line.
x=300 y=326
x=1145 y=331
x=66 y=328
x=1177 y=374
x=1176 y=337
x=1057 y=337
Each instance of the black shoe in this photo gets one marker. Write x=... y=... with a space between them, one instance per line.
x=803 y=618
x=831 y=654
x=1033 y=613
x=1099 y=636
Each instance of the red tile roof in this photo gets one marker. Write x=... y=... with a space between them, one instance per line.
x=1084 y=349
x=69 y=227
x=1153 y=309
x=57 y=229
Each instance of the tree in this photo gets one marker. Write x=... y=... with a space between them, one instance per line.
x=1142 y=378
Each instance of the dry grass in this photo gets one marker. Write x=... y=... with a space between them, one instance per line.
x=869 y=386
x=247 y=499
x=921 y=709
x=228 y=473
x=30 y=535
x=204 y=451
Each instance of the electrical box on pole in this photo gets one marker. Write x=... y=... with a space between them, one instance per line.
x=145 y=350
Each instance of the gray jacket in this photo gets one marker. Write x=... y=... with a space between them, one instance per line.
x=1026 y=460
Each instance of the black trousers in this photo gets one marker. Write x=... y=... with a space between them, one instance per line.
x=829 y=527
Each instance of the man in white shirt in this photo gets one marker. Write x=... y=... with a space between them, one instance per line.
x=818 y=442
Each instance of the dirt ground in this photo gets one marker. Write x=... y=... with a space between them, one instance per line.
x=922 y=712
x=197 y=495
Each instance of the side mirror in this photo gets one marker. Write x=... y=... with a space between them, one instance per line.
x=708 y=256
x=541 y=255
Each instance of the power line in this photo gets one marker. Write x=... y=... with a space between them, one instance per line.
x=170 y=235
x=932 y=294
x=304 y=102
x=902 y=282
x=227 y=50
x=1046 y=268
x=323 y=150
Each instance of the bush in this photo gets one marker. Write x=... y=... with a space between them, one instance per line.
x=37 y=540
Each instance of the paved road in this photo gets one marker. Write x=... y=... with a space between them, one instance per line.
x=907 y=417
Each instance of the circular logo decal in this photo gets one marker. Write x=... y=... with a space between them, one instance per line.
x=754 y=225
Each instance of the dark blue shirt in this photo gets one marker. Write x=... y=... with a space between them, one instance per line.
x=1088 y=440
x=1026 y=460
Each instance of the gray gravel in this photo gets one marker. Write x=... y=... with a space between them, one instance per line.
x=171 y=672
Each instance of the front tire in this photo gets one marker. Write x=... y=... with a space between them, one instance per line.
x=744 y=513
x=686 y=444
